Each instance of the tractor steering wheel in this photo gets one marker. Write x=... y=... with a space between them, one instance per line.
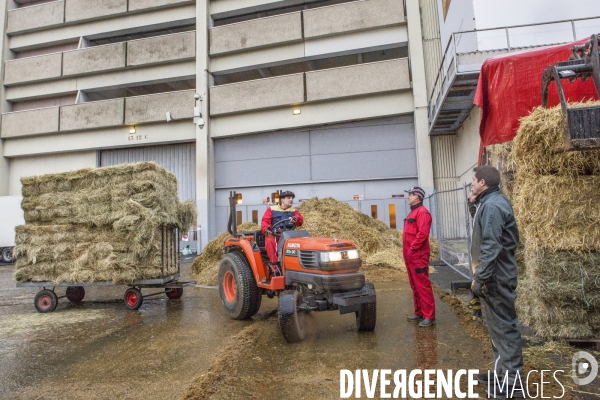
x=286 y=225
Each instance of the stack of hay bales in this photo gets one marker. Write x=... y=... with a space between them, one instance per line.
x=100 y=224
x=378 y=244
x=556 y=199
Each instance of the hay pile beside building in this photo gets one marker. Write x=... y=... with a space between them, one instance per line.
x=100 y=224
x=556 y=199
x=379 y=245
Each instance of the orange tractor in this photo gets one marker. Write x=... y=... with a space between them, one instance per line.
x=318 y=274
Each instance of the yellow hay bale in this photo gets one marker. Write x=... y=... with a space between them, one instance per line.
x=552 y=321
x=559 y=212
x=564 y=278
x=539 y=141
x=98 y=224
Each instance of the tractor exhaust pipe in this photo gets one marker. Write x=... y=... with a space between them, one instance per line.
x=232 y=224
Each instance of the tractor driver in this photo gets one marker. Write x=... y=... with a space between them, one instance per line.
x=275 y=214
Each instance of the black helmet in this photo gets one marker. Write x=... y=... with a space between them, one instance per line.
x=286 y=193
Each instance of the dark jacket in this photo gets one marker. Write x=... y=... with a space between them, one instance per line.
x=495 y=239
x=274 y=214
x=415 y=236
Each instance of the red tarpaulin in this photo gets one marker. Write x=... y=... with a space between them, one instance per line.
x=510 y=87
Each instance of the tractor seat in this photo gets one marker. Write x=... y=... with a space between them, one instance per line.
x=259 y=239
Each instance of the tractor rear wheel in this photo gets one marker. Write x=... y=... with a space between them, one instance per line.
x=366 y=318
x=291 y=322
x=237 y=288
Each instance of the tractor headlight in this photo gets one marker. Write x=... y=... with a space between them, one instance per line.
x=333 y=256
x=353 y=254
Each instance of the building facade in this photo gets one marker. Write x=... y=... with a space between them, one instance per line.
x=322 y=97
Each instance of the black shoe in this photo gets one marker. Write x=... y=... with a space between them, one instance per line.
x=483 y=378
x=427 y=322
x=415 y=318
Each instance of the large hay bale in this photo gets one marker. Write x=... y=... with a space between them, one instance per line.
x=539 y=140
x=550 y=320
x=99 y=224
x=559 y=212
x=555 y=198
x=564 y=278
x=329 y=218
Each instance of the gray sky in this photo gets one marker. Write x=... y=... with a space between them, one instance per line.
x=494 y=13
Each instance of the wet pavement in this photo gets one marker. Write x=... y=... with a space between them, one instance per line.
x=100 y=350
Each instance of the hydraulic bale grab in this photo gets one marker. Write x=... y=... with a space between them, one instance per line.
x=581 y=125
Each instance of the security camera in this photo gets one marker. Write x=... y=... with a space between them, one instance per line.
x=197 y=96
x=169 y=118
x=200 y=123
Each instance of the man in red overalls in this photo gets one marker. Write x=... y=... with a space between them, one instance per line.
x=415 y=242
x=274 y=214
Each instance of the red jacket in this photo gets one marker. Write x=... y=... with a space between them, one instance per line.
x=415 y=236
x=275 y=214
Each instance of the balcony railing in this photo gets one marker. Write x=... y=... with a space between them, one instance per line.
x=304 y=25
x=55 y=13
x=99 y=114
x=90 y=60
x=327 y=84
x=453 y=91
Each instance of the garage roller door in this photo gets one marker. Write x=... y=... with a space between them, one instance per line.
x=180 y=159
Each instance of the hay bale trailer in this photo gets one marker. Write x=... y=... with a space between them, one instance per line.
x=11 y=215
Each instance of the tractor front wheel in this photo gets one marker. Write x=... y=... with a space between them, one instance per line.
x=237 y=288
x=291 y=322
x=366 y=318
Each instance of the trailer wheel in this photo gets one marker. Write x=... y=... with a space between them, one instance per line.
x=45 y=301
x=174 y=293
x=237 y=288
x=133 y=298
x=7 y=254
x=291 y=322
x=366 y=318
x=75 y=293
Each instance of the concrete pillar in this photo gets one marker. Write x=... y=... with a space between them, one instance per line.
x=4 y=50
x=417 y=65
x=205 y=195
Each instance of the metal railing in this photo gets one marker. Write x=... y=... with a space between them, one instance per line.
x=494 y=39
x=452 y=228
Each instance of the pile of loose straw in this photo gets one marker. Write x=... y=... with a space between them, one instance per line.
x=98 y=224
x=378 y=244
x=556 y=199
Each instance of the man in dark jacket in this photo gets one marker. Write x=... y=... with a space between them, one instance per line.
x=415 y=243
x=273 y=216
x=495 y=239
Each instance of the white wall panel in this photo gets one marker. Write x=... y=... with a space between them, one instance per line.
x=46 y=164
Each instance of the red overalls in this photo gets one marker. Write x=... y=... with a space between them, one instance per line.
x=272 y=216
x=415 y=242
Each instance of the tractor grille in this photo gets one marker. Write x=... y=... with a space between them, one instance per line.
x=308 y=259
